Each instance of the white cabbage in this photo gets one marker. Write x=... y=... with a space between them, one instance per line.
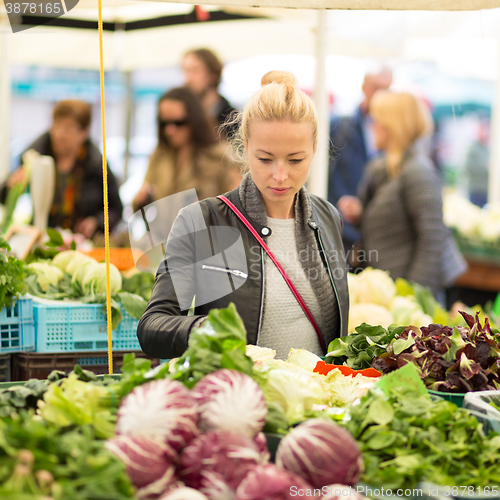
x=76 y=261
x=372 y=314
x=352 y=284
x=81 y=271
x=303 y=358
x=62 y=259
x=94 y=280
x=489 y=227
x=344 y=389
x=294 y=392
x=419 y=319
x=402 y=309
x=374 y=286
x=46 y=274
x=470 y=220
x=279 y=364
x=259 y=353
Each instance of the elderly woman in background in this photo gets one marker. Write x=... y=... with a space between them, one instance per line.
x=187 y=155
x=78 y=197
x=400 y=206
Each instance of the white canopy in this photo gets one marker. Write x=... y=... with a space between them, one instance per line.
x=364 y=4
x=287 y=30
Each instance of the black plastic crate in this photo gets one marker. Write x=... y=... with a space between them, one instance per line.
x=39 y=365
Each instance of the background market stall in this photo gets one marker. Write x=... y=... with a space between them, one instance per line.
x=463 y=41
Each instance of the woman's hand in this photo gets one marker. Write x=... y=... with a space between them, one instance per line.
x=351 y=208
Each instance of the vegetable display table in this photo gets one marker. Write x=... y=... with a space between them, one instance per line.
x=483 y=274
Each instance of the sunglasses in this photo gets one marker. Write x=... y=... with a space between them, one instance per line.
x=176 y=123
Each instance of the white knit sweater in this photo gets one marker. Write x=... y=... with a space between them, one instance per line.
x=284 y=324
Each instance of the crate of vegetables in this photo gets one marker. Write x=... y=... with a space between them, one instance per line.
x=17 y=326
x=81 y=327
x=16 y=312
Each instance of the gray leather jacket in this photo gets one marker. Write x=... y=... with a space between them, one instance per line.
x=164 y=328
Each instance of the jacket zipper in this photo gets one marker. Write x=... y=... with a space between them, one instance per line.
x=261 y=295
x=320 y=241
x=234 y=272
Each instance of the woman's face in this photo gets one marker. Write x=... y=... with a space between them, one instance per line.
x=280 y=155
x=197 y=75
x=381 y=135
x=174 y=123
x=66 y=136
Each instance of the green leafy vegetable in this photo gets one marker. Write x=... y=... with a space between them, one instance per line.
x=359 y=349
x=135 y=305
x=449 y=359
x=46 y=274
x=10 y=204
x=13 y=272
x=140 y=284
x=42 y=460
x=405 y=438
x=220 y=342
x=73 y=401
x=135 y=372
x=55 y=238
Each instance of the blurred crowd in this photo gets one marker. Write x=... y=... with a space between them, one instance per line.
x=382 y=178
x=191 y=152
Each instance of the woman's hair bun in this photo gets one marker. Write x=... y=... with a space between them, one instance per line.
x=282 y=77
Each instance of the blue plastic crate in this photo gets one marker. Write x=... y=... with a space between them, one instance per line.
x=17 y=329
x=66 y=328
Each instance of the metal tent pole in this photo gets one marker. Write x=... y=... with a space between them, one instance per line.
x=494 y=163
x=5 y=97
x=318 y=179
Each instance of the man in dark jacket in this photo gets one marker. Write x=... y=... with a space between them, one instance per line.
x=78 y=195
x=353 y=147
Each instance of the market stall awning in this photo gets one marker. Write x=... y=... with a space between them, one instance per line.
x=362 y=4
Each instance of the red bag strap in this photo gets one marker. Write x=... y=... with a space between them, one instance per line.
x=295 y=292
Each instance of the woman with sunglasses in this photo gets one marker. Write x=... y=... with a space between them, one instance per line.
x=187 y=155
x=268 y=246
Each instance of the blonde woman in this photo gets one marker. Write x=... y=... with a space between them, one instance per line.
x=399 y=208
x=268 y=246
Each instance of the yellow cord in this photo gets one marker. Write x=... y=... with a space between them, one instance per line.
x=105 y=195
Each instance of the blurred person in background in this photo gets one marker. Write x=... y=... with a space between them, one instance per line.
x=476 y=166
x=78 y=196
x=400 y=206
x=187 y=155
x=353 y=146
x=203 y=72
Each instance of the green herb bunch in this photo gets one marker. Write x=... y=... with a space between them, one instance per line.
x=12 y=275
x=407 y=438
